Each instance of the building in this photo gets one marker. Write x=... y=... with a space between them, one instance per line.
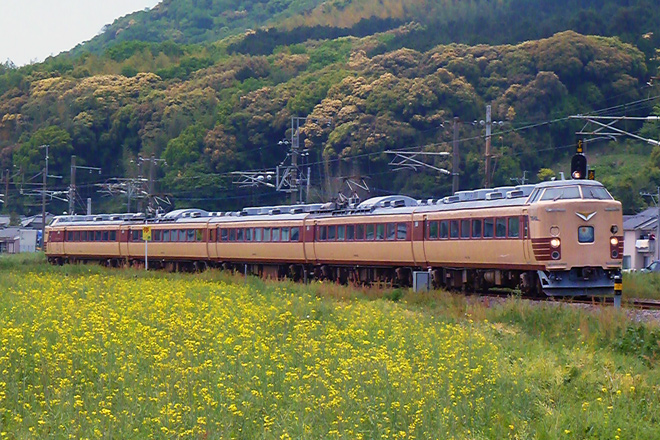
x=639 y=239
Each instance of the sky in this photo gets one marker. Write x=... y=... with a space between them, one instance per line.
x=31 y=30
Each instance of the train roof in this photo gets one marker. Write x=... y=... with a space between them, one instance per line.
x=505 y=196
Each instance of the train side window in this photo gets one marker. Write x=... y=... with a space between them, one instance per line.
x=489 y=228
x=166 y=235
x=239 y=234
x=275 y=234
x=232 y=234
x=433 y=230
x=295 y=234
x=323 y=233
x=390 y=231
x=224 y=235
x=350 y=232
x=500 y=227
x=76 y=236
x=476 y=228
x=465 y=228
x=453 y=229
x=444 y=229
x=136 y=235
x=359 y=232
x=248 y=234
x=267 y=234
x=401 y=231
x=371 y=229
x=113 y=235
x=380 y=231
x=341 y=233
x=258 y=234
x=285 y=234
x=98 y=235
x=332 y=232
x=514 y=227
x=105 y=236
x=199 y=234
x=69 y=236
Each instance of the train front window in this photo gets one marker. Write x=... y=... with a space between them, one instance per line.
x=595 y=192
x=561 y=193
x=586 y=234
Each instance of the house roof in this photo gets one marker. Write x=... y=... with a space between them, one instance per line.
x=647 y=219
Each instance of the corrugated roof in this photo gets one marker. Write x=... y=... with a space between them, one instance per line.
x=646 y=219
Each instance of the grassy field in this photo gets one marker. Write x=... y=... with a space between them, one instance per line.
x=87 y=352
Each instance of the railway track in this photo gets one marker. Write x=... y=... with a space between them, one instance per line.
x=631 y=303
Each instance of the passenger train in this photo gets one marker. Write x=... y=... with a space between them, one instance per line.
x=558 y=238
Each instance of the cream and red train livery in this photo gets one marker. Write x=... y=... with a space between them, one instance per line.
x=560 y=238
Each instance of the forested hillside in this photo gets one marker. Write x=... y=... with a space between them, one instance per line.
x=209 y=109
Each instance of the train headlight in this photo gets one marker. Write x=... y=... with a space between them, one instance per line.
x=555 y=242
x=614 y=241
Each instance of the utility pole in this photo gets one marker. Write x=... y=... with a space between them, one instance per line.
x=488 y=155
x=295 y=143
x=43 y=201
x=72 y=185
x=456 y=158
x=6 y=187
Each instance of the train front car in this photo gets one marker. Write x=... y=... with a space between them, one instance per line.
x=576 y=231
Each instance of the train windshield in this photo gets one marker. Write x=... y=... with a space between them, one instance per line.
x=563 y=192
x=595 y=192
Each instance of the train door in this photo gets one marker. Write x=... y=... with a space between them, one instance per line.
x=418 y=240
x=309 y=234
x=123 y=241
x=526 y=236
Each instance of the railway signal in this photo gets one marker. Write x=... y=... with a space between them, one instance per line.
x=579 y=162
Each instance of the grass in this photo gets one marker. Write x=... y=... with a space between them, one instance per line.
x=641 y=285
x=87 y=352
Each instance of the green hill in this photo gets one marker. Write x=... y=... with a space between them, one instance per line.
x=210 y=108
